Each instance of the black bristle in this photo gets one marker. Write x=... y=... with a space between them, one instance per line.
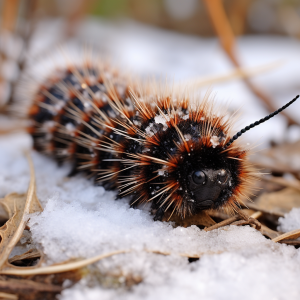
x=237 y=135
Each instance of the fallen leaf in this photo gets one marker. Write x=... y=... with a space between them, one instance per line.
x=18 y=208
x=280 y=202
x=41 y=286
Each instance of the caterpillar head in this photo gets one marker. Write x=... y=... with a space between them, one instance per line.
x=207 y=185
x=210 y=177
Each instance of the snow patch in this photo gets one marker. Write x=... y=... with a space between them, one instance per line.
x=215 y=141
x=159 y=119
x=290 y=221
x=187 y=137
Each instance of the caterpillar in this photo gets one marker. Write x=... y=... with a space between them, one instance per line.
x=148 y=141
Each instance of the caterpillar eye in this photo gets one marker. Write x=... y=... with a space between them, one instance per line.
x=199 y=177
x=222 y=176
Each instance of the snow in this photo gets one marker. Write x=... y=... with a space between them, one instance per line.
x=83 y=220
x=160 y=119
x=290 y=221
x=225 y=276
x=187 y=137
x=215 y=141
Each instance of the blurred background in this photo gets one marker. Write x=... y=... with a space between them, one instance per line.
x=179 y=39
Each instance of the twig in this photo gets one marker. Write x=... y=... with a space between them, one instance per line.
x=294 y=234
x=249 y=219
x=235 y=219
x=227 y=39
x=223 y=223
x=9 y=15
x=234 y=74
x=75 y=17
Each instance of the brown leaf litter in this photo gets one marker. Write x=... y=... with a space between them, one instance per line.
x=18 y=208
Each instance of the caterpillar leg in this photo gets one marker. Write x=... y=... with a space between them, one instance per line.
x=159 y=214
x=74 y=171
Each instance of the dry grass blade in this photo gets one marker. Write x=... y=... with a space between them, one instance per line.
x=18 y=208
x=183 y=254
x=224 y=31
x=7 y=296
x=293 y=242
x=235 y=220
x=31 y=254
x=61 y=267
x=222 y=27
x=235 y=74
x=83 y=263
x=294 y=234
x=223 y=223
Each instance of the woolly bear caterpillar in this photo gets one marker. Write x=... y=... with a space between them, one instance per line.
x=149 y=142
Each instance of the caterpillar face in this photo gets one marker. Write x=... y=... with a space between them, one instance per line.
x=211 y=178
x=207 y=185
x=152 y=145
